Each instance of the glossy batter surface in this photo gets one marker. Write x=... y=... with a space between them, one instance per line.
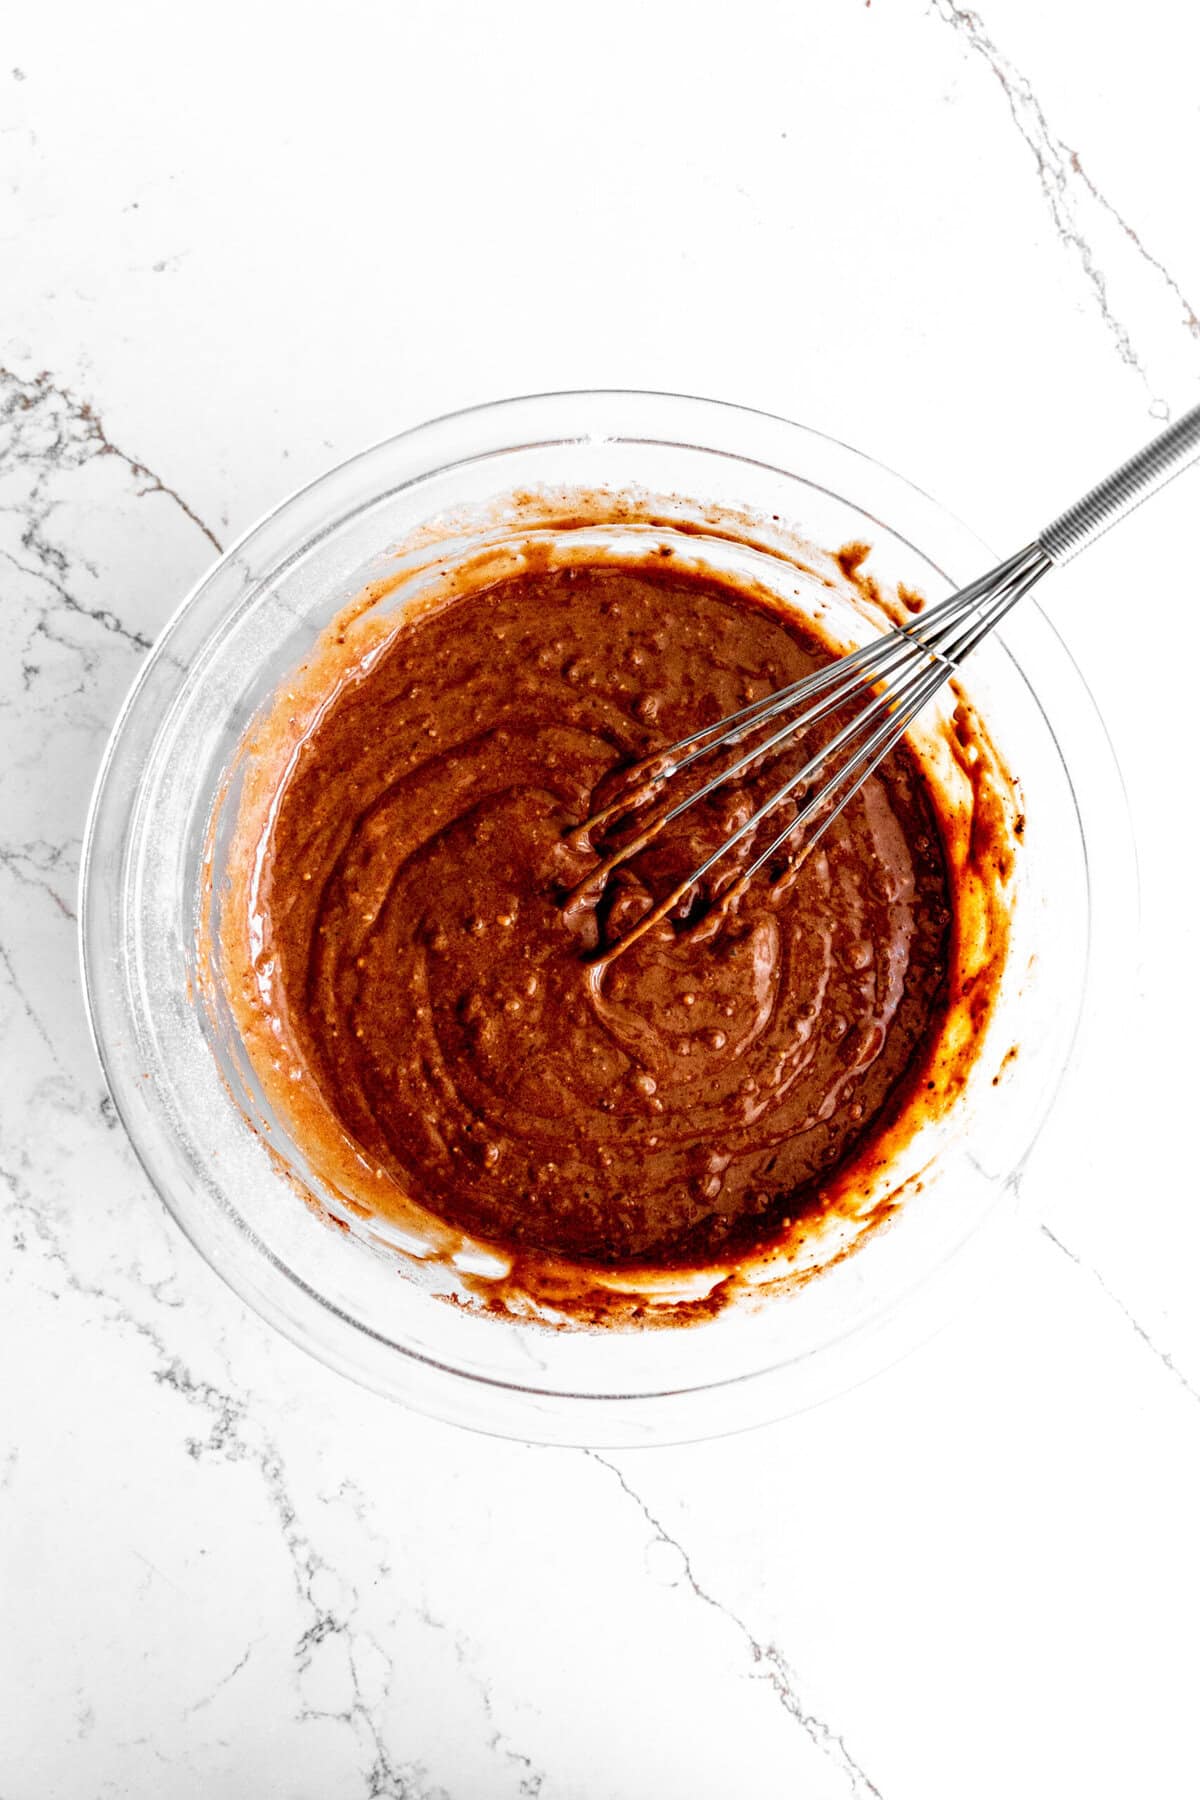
x=686 y=1100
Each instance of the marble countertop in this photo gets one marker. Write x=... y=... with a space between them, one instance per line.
x=238 y=245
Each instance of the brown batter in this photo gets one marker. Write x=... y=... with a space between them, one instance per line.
x=683 y=1103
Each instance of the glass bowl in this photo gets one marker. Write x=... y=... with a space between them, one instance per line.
x=348 y=1295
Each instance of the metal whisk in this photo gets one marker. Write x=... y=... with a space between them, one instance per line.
x=883 y=687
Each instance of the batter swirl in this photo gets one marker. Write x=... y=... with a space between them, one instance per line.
x=409 y=947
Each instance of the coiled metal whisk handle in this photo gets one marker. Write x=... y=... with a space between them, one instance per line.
x=1118 y=494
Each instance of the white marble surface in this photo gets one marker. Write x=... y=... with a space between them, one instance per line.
x=237 y=243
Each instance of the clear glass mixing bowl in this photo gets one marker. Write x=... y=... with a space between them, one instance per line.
x=349 y=1300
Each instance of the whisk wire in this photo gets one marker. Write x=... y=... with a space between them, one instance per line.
x=864 y=764
x=918 y=657
x=746 y=718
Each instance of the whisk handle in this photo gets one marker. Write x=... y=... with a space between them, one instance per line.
x=1118 y=494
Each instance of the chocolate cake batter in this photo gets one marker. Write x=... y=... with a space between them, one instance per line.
x=682 y=1102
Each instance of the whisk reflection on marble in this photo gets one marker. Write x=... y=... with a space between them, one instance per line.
x=877 y=692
